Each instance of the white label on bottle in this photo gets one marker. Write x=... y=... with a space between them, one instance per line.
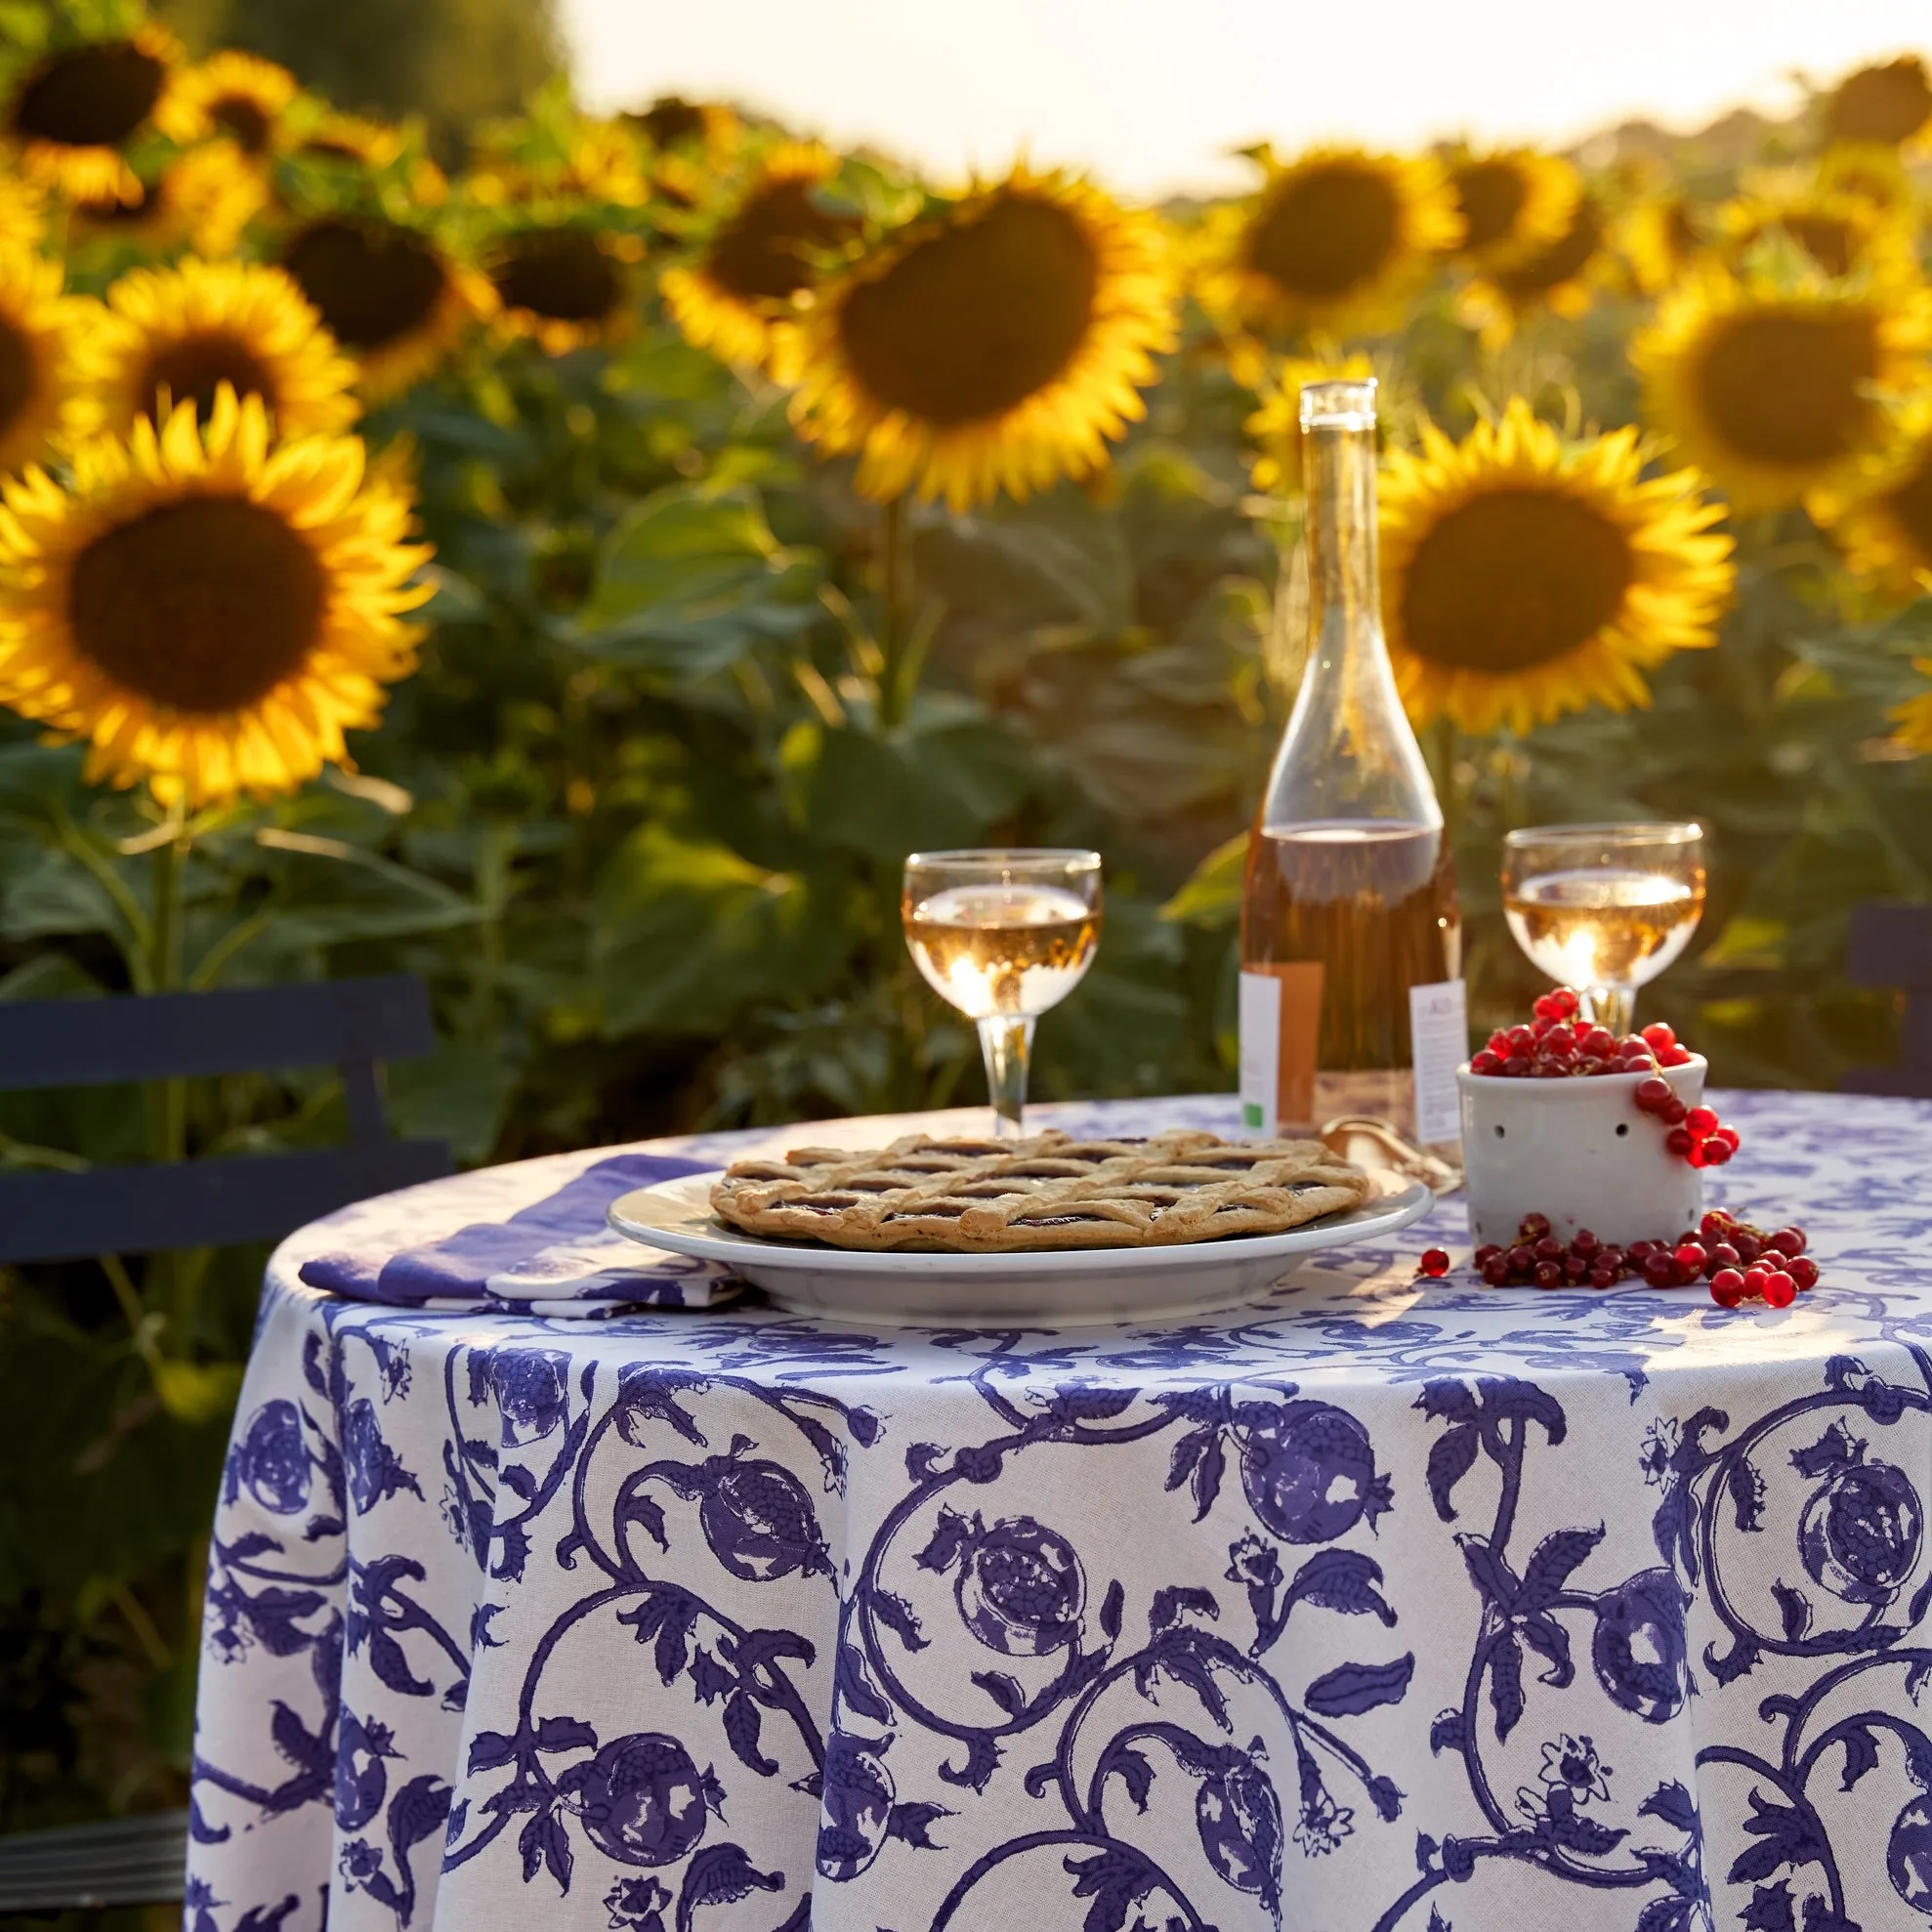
x=1260 y=1019
x=1438 y=1026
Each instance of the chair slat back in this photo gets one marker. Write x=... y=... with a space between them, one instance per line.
x=191 y=1036
x=353 y=1024
x=1891 y=945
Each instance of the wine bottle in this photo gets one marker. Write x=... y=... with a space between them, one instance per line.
x=1350 y=990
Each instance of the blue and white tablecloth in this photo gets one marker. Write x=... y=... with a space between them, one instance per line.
x=1418 y=1607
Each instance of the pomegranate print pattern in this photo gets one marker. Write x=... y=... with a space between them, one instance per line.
x=1391 y=1602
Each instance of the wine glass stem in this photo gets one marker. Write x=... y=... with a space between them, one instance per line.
x=1008 y=1045
x=1614 y=1007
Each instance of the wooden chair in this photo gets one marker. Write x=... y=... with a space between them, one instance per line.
x=353 y=1024
x=1891 y=945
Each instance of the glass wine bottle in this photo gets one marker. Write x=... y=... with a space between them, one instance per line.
x=1350 y=990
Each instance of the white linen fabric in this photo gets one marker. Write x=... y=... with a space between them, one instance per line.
x=1385 y=1605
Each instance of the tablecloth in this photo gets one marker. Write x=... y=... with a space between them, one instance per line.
x=1390 y=1604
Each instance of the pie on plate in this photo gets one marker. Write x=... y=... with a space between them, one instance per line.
x=1048 y=1192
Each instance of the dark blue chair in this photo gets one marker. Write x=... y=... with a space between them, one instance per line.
x=1891 y=947
x=353 y=1024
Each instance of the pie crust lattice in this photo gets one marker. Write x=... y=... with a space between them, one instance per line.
x=1049 y=1191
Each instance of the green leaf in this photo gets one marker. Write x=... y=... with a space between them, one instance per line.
x=1057 y=561
x=1212 y=896
x=326 y=897
x=690 y=580
x=55 y=894
x=886 y=797
x=686 y=934
x=456 y=1094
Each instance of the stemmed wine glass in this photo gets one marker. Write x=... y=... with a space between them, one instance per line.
x=1003 y=935
x=1604 y=908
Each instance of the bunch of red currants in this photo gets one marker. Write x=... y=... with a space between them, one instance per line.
x=1740 y=1262
x=1558 y=1045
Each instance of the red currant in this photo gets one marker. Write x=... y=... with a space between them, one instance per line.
x=1434 y=1263
x=1756 y=1278
x=1486 y=1063
x=1804 y=1271
x=1678 y=1142
x=1609 y=1256
x=1521 y=1039
x=1654 y=1094
x=1672 y=1115
x=1585 y=1242
x=1723 y=1253
x=1700 y=1120
x=1599 y=1042
x=1498 y=1044
x=1716 y=1152
x=1521 y=1259
x=1788 y=1240
x=1714 y=1225
x=1660 y=1268
x=1727 y=1288
x=1673 y=1056
x=1747 y=1244
x=1515 y=1066
x=1781 y=1290
x=1659 y=1036
x=1483 y=1255
x=1690 y=1255
x=1534 y=1226
x=1548 y=1275
x=1602 y=1278
x=1496 y=1271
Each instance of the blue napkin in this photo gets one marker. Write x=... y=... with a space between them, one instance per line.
x=552 y=1256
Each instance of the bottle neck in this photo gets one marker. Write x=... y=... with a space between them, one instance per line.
x=1344 y=593
x=1349 y=754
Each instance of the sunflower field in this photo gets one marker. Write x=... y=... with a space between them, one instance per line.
x=579 y=576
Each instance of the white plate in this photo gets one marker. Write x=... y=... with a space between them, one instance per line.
x=1071 y=1287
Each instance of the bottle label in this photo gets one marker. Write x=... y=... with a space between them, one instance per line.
x=1280 y=1028
x=1439 y=1027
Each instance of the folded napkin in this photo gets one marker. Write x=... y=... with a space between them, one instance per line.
x=552 y=1257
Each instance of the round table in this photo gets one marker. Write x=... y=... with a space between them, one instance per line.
x=1381 y=1603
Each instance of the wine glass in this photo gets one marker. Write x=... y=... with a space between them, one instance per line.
x=1604 y=908
x=1003 y=935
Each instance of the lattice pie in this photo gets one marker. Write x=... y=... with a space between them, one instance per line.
x=1048 y=1192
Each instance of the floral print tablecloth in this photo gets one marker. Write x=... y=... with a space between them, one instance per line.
x=1384 y=1604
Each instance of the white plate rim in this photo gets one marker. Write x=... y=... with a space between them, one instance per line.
x=1387 y=1215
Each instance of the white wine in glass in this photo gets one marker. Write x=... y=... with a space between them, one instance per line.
x=1604 y=908
x=1003 y=936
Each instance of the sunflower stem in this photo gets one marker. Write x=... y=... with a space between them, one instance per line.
x=892 y=694
x=166 y=1101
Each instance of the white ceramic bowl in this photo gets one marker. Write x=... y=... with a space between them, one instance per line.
x=1581 y=1151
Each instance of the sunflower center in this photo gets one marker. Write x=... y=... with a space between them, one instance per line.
x=562 y=275
x=1912 y=504
x=203 y=607
x=669 y=120
x=372 y=282
x=1327 y=230
x=971 y=321
x=192 y=368
x=1887 y=104
x=1785 y=388
x=1513 y=579
x=90 y=97
x=1567 y=255
x=243 y=120
x=763 y=253
x=1491 y=194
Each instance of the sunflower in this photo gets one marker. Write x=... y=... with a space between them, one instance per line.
x=997 y=346
x=1513 y=202
x=734 y=298
x=22 y=213
x=1769 y=383
x=206 y=198
x=72 y=113
x=673 y=122
x=348 y=140
x=1870 y=170
x=1562 y=277
x=209 y=613
x=388 y=294
x=1337 y=240
x=180 y=333
x=564 y=286
x=49 y=348
x=1276 y=427
x=1889 y=104
x=1883 y=519
x=240 y=97
x=1523 y=577
x=1657 y=236
x=1839 y=231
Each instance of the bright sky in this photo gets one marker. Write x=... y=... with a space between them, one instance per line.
x=1149 y=94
